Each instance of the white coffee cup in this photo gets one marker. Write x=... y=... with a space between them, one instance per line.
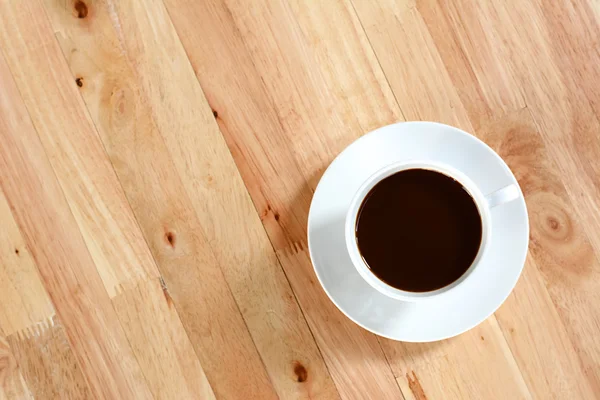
x=484 y=204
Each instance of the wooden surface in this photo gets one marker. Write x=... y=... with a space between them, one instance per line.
x=157 y=163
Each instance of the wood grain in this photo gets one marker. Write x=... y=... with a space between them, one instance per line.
x=420 y=79
x=565 y=120
x=23 y=299
x=278 y=138
x=109 y=229
x=82 y=168
x=440 y=100
x=67 y=270
x=460 y=361
x=157 y=162
x=12 y=383
x=36 y=360
x=489 y=86
x=485 y=82
x=546 y=357
x=160 y=344
x=48 y=363
x=186 y=140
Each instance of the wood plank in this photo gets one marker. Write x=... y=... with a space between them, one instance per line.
x=48 y=363
x=408 y=54
x=564 y=102
x=160 y=344
x=103 y=215
x=220 y=200
x=36 y=360
x=574 y=36
x=23 y=299
x=271 y=75
x=69 y=138
x=67 y=270
x=346 y=363
x=293 y=83
x=12 y=383
x=546 y=357
x=475 y=57
x=290 y=84
x=213 y=187
x=462 y=362
x=565 y=119
x=425 y=90
x=473 y=72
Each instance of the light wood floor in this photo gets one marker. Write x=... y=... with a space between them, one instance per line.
x=157 y=162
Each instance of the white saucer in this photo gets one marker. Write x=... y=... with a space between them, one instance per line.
x=471 y=303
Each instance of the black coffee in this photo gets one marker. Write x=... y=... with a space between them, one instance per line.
x=418 y=230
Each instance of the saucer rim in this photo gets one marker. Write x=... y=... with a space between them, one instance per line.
x=523 y=256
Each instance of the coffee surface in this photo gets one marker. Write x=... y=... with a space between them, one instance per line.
x=418 y=230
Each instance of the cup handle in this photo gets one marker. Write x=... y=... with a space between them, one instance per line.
x=501 y=196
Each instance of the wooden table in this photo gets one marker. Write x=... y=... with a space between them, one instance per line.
x=158 y=159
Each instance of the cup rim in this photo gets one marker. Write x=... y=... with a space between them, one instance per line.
x=369 y=184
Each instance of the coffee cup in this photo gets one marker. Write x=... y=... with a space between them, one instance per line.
x=483 y=202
